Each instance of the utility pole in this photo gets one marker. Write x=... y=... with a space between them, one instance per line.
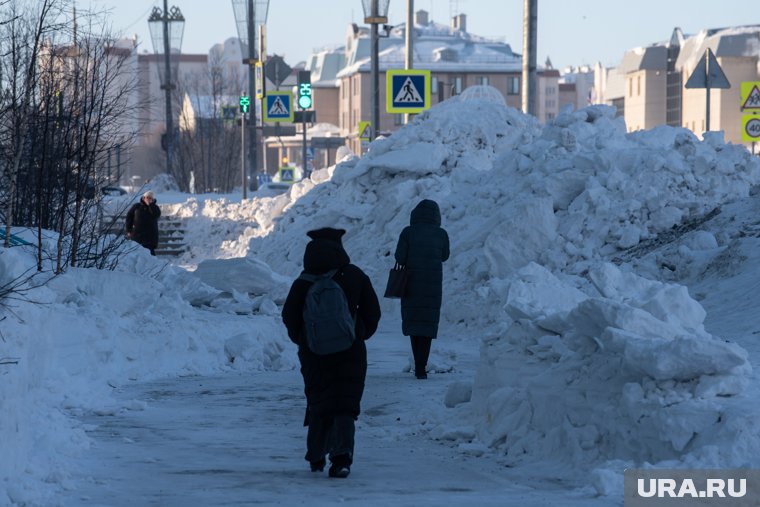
x=530 y=25
x=409 y=39
x=251 y=22
x=168 y=89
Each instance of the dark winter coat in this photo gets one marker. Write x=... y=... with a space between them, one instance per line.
x=334 y=384
x=423 y=247
x=142 y=223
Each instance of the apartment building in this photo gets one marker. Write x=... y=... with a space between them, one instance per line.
x=456 y=58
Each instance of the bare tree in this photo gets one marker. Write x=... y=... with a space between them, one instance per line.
x=210 y=135
x=66 y=101
x=25 y=38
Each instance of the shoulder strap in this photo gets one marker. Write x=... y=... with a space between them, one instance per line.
x=315 y=278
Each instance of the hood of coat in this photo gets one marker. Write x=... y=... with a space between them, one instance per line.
x=426 y=212
x=325 y=251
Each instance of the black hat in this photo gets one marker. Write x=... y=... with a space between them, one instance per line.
x=327 y=233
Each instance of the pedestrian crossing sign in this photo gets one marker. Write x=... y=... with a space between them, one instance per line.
x=278 y=106
x=407 y=90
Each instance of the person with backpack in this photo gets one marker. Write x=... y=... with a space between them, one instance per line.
x=422 y=248
x=330 y=311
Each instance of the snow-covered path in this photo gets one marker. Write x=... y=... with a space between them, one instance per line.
x=238 y=440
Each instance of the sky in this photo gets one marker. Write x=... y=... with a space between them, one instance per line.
x=553 y=367
x=570 y=33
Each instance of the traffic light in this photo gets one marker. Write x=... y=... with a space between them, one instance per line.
x=245 y=103
x=304 y=89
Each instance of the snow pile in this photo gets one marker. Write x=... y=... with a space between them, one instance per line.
x=628 y=373
x=92 y=331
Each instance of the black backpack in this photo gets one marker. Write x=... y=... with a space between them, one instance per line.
x=329 y=327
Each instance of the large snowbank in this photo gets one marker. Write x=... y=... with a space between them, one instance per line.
x=621 y=368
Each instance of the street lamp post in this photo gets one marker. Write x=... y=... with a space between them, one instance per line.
x=375 y=13
x=166 y=30
x=247 y=12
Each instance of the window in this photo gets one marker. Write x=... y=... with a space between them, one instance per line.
x=457 y=85
x=434 y=84
x=356 y=85
x=550 y=104
x=549 y=116
x=550 y=90
x=638 y=85
x=513 y=85
x=630 y=87
x=703 y=125
x=482 y=80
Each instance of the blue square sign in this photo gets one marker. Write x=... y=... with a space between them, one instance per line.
x=407 y=91
x=278 y=106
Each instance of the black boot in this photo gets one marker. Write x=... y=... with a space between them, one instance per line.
x=340 y=467
x=317 y=466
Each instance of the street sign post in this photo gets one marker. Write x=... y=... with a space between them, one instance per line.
x=278 y=106
x=407 y=90
x=707 y=74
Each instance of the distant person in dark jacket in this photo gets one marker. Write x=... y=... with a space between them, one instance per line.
x=142 y=222
x=333 y=383
x=422 y=247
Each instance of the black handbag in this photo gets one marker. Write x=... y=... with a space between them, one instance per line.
x=397 y=278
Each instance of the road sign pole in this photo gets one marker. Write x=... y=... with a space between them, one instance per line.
x=306 y=172
x=242 y=155
x=375 y=72
x=707 y=92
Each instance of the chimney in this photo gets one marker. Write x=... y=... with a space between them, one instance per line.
x=459 y=22
x=421 y=18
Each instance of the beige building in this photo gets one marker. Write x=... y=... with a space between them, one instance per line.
x=653 y=80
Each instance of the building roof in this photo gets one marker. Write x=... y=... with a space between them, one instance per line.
x=653 y=57
x=325 y=65
x=724 y=42
x=436 y=47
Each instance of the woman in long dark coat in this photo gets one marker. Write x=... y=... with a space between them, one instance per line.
x=142 y=222
x=422 y=247
x=333 y=383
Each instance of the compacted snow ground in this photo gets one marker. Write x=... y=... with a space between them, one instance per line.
x=237 y=439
